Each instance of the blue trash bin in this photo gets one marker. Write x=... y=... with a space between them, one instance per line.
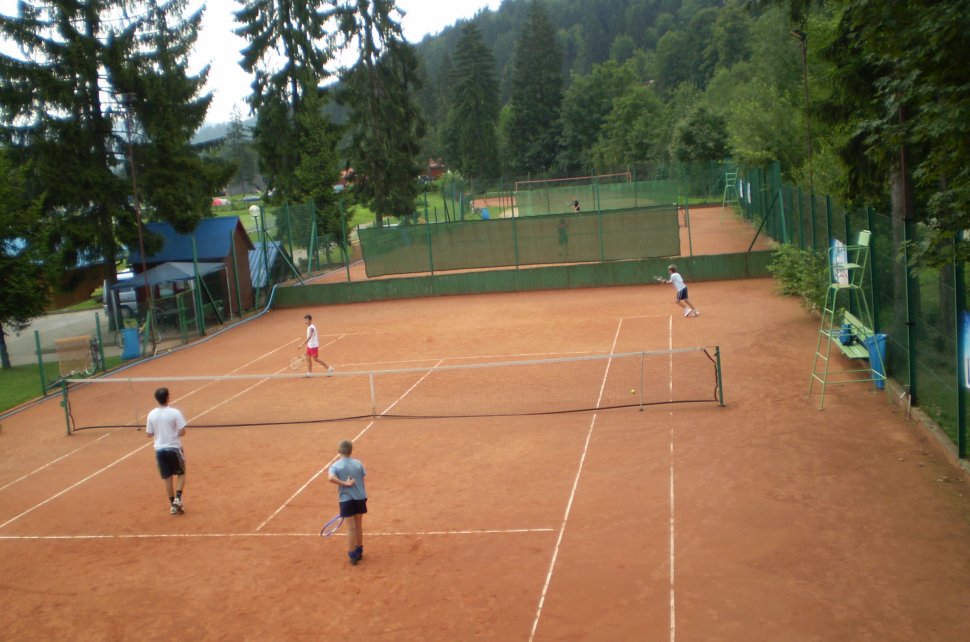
x=485 y=215
x=131 y=350
x=876 y=344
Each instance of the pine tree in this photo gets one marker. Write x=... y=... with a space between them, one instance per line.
x=288 y=56
x=472 y=142
x=536 y=96
x=92 y=73
x=384 y=123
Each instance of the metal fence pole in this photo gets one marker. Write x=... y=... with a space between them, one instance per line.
x=959 y=289
x=873 y=272
x=40 y=364
x=910 y=315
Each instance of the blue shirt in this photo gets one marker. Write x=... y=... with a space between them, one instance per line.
x=343 y=469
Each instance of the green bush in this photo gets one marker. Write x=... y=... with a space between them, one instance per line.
x=801 y=273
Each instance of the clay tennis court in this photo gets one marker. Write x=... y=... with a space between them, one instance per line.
x=765 y=519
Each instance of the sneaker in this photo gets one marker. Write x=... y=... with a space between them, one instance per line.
x=330 y=370
x=360 y=552
x=174 y=509
x=354 y=558
x=696 y=313
x=686 y=313
x=177 y=506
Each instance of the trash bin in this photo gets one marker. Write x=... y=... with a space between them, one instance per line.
x=485 y=215
x=131 y=348
x=876 y=344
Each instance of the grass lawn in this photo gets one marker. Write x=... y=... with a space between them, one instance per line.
x=22 y=383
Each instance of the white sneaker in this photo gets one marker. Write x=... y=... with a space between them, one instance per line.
x=173 y=510
x=177 y=506
x=330 y=370
x=686 y=313
x=696 y=313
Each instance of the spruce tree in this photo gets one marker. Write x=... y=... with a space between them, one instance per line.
x=536 y=96
x=91 y=78
x=384 y=123
x=472 y=142
x=288 y=54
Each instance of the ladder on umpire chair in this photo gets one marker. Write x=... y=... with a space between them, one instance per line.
x=730 y=188
x=851 y=334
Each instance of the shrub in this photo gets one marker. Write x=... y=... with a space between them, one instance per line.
x=801 y=273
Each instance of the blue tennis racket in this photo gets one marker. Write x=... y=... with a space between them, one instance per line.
x=332 y=526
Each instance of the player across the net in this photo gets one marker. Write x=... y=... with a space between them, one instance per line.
x=544 y=386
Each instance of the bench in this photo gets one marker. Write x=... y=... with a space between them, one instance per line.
x=856 y=349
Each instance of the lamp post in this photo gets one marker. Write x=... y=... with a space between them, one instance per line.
x=802 y=39
x=127 y=100
x=338 y=189
x=256 y=211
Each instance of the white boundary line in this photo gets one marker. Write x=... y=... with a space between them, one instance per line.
x=673 y=618
x=488 y=531
x=572 y=493
x=334 y=458
x=74 y=485
x=124 y=457
x=52 y=462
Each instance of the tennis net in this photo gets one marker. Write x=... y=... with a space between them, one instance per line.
x=544 y=386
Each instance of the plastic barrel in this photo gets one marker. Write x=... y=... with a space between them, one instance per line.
x=876 y=345
x=131 y=350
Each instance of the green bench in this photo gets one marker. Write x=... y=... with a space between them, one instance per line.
x=856 y=349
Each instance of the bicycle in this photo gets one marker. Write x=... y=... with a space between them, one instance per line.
x=95 y=362
x=155 y=337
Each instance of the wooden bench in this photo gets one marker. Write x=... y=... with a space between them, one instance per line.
x=856 y=349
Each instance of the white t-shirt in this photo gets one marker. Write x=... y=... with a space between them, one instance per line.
x=165 y=423
x=677 y=281
x=311 y=337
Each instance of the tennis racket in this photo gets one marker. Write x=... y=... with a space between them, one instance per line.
x=296 y=363
x=660 y=279
x=332 y=526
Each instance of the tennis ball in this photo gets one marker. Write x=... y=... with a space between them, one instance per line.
x=632 y=391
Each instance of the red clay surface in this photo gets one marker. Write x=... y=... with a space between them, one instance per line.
x=763 y=520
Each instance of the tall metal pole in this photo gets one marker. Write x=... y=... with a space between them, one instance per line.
x=129 y=117
x=802 y=38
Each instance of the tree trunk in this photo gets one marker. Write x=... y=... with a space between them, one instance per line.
x=4 y=355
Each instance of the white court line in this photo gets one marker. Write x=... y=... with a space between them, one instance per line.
x=670 y=376
x=490 y=531
x=52 y=462
x=334 y=458
x=572 y=492
x=120 y=459
x=74 y=485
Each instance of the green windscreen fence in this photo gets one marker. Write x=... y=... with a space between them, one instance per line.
x=535 y=198
x=535 y=240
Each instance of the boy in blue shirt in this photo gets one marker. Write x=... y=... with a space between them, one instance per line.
x=348 y=473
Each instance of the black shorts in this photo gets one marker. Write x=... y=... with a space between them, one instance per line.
x=353 y=507
x=170 y=462
x=682 y=294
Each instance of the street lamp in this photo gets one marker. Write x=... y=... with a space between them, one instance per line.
x=802 y=39
x=338 y=189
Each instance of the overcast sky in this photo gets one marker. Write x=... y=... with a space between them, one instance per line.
x=218 y=46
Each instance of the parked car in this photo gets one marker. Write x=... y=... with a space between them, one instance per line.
x=125 y=298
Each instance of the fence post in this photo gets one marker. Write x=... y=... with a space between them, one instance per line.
x=289 y=229
x=40 y=365
x=910 y=315
x=515 y=241
x=343 y=227
x=690 y=241
x=873 y=272
x=97 y=336
x=959 y=290
x=801 y=219
x=828 y=221
x=811 y=213
x=235 y=275
x=427 y=225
